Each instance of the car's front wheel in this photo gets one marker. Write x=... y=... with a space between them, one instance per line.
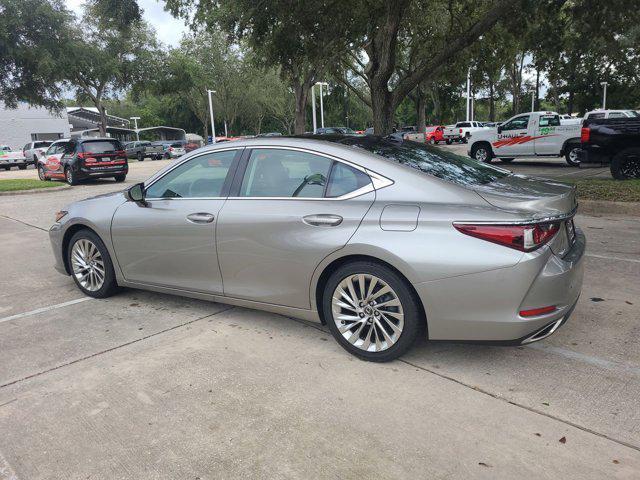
x=140 y=157
x=371 y=311
x=481 y=152
x=90 y=265
x=41 y=174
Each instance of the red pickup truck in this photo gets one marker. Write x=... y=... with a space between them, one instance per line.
x=434 y=135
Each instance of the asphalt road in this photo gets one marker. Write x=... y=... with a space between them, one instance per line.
x=144 y=385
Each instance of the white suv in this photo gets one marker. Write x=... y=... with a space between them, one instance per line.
x=33 y=150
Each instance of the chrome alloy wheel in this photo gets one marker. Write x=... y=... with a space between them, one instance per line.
x=367 y=312
x=482 y=154
x=87 y=264
x=573 y=156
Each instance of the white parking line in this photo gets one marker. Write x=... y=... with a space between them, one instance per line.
x=606 y=257
x=589 y=359
x=44 y=309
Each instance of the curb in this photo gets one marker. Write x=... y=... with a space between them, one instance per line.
x=602 y=207
x=35 y=191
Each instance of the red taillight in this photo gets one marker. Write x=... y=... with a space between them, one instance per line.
x=534 y=312
x=460 y=130
x=82 y=155
x=585 y=133
x=525 y=238
x=171 y=149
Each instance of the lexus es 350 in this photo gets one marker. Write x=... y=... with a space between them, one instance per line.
x=380 y=240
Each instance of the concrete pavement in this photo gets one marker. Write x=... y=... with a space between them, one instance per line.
x=144 y=385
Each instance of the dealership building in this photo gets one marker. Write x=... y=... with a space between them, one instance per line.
x=19 y=126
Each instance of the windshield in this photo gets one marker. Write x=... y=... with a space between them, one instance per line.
x=41 y=144
x=431 y=160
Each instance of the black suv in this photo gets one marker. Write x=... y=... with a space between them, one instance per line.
x=80 y=159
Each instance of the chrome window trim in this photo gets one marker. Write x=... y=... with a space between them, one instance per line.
x=377 y=181
x=153 y=180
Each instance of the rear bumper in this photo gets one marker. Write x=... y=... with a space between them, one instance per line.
x=101 y=172
x=594 y=156
x=484 y=307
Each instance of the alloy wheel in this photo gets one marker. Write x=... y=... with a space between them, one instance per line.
x=367 y=312
x=573 y=156
x=481 y=154
x=88 y=265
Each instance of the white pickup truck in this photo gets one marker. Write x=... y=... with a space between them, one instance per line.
x=462 y=131
x=534 y=134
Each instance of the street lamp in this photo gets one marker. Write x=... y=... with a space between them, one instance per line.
x=533 y=93
x=604 y=95
x=135 y=120
x=468 y=93
x=313 y=107
x=213 y=125
x=320 y=84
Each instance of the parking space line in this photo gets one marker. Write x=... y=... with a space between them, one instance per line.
x=44 y=309
x=606 y=257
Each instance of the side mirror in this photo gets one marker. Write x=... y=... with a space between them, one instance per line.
x=136 y=194
x=499 y=129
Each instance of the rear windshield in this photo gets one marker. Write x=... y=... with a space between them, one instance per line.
x=101 y=146
x=41 y=144
x=431 y=160
x=176 y=145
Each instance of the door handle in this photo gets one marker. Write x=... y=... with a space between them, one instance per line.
x=322 y=220
x=201 y=217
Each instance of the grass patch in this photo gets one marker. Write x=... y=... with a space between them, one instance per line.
x=606 y=189
x=13 y=185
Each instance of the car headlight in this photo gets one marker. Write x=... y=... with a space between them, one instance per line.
x=60 y=215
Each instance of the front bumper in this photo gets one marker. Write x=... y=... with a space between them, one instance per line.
x=55 y=237
x=483 y=307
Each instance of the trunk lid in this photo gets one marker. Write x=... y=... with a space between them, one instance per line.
x=542 y=198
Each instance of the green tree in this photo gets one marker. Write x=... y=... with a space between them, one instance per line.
x=33 y=37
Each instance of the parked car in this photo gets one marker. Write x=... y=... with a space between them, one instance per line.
x=535 y=134
x=74 y=160
x=143 y=149
x=462 y=131
x=398 y=240
x=33 y=150
x=612 y=141
x=604 y=114
x=335 y=130
x=435 y=135
x=10 y=158
x=171 y=148
x=368 y=131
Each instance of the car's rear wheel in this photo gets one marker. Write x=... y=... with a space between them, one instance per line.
x=626 y=164
x=481 y=152
x=90 y=265
x=70 y=177
x=22 y=167
x=120 y=178
x=506 y=160
x=571 y=155
x=432 y=141
x=448 y=141
x=371 y=311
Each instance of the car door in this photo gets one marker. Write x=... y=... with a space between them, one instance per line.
x=171 y=240
x=513 y=138
x=546 y=135
x=52 y=159
x=289 y=209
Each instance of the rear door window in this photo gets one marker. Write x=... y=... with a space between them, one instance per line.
x=549 y=121
x=345 y=179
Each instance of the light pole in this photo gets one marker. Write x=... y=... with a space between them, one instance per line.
x=313 y=107
x=135 y=121
x=213 y=125
x=604 y=95
x=320 y=84
x=468 y=93
x=533 y=93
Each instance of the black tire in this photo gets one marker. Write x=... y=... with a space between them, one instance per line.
x=166 y=156
x=448 y=141
x=482 y=152
x=506 y=160
x=7 y=168
x=414 y=322
x=70 y=177
x=120 y=178
x=22 y=167
x=626 y=164
x=432 y=141
x=140 y=157
x=570 y=155
x=110 y=286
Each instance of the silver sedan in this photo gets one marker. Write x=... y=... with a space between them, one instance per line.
x=381 y=240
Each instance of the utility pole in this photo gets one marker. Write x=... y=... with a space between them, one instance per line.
x=213 y=125
x=135 y=120
x=320 y=84
x=604 y=95
x=533 y=93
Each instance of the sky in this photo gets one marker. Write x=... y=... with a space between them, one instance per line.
x=169 y=29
